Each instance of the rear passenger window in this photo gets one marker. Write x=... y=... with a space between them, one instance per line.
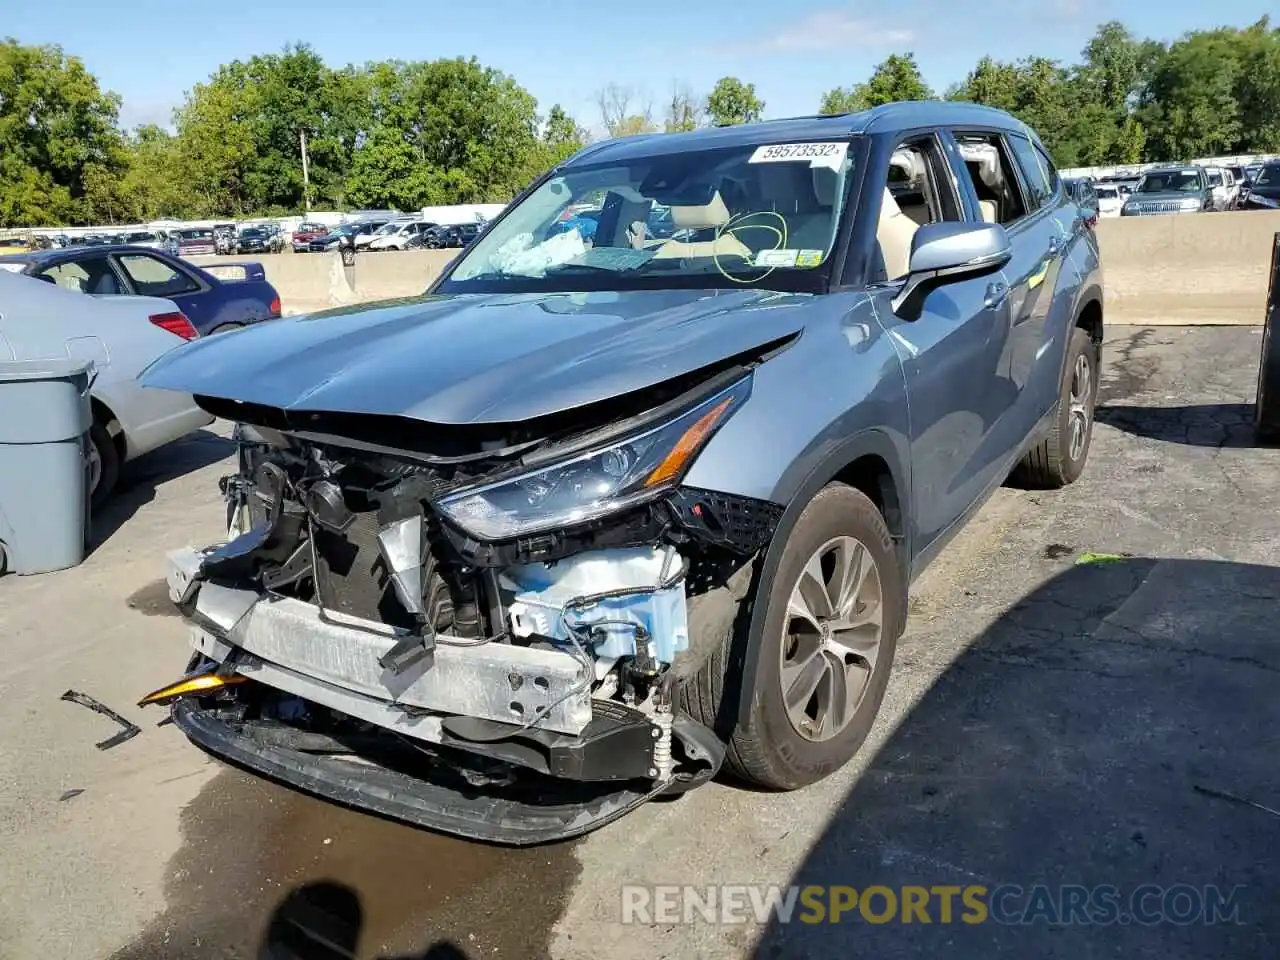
x=69 y=276
x=991 y=172
x=152 y=277
x=1035 y=172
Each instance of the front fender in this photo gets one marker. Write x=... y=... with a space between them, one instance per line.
x=837 y=395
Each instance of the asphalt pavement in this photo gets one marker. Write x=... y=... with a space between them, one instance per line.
x=1083 y=701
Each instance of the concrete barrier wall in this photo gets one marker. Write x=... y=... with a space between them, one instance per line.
x=316 y=281
x=1190 y=269
x=1187 y=269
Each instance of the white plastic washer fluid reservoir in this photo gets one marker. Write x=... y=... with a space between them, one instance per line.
x=542 y=592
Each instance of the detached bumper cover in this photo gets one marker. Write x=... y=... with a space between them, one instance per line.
x=447 y=802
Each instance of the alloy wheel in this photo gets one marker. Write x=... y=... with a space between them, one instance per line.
x=831 y=638
x=95 y=467
x=1079 y=414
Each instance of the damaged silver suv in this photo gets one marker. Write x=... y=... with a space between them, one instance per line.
x=636 y=489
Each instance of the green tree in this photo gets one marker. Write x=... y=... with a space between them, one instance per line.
x=217 y=154
x=151 y=184
x=562 y=135
x=895 y=78
x=561 y=138
x=732 y=102
x=444 y=131
x=684 y=112
x=58 y=138
x=621 y=113
x=1194 y=110
x=844 y=100
x=1111 y=72
x=1257 y=88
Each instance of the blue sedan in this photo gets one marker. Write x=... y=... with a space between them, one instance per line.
x=211 y=304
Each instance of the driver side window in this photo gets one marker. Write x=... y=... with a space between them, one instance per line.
x=918 y=191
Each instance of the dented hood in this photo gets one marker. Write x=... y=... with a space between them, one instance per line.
x=479 y=358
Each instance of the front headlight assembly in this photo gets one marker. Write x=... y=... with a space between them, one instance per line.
x=598 y=482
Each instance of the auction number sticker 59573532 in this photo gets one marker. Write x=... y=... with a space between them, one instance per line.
x=823 y=154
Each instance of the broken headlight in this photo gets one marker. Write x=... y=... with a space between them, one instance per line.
x=595 y=483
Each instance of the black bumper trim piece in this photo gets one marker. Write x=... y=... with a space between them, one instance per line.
x=475 y=813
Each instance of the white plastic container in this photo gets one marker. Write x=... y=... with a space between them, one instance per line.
x=542 y=591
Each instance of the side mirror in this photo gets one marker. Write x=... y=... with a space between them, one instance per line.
x=943 y=253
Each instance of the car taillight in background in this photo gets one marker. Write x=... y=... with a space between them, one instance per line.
x=274 y=308
x=176 y=323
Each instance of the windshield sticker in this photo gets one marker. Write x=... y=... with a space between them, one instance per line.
x=809 y=258
x=776 y=258
x=827 y=154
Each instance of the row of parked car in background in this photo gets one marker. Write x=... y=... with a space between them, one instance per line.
x=1176 y=189
x=377 y=233
x=383 y=233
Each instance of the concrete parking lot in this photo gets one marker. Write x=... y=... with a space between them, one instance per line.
x=1054 y=718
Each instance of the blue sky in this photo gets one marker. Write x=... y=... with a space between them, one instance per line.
x=151 y=51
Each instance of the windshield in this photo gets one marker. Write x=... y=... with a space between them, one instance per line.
x=254 y=233
x=196 y=234
x=312 y=228
x=1214 y=177
x=389 y=228
x=1108 y=193
x=727 y=216
x=1171 y=181
x=1268 y=176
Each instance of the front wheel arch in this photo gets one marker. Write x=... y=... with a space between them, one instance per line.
x=868 y=458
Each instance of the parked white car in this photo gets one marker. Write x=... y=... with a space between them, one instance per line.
x=1110 y=199
x=398 y=234
x=1226 y=191
x=122 y=336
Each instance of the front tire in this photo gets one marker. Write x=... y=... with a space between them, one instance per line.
x=104 y=465
x=1059 y=458
x=834 y=610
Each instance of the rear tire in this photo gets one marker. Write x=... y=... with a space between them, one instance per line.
x=773 y=748
x=1060 y=458
x=107 y=470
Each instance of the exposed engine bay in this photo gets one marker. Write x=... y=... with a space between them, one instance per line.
x=390 y=622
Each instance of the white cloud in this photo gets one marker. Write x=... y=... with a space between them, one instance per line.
x=823 y=30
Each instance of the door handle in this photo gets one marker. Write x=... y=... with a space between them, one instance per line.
x=997 y=291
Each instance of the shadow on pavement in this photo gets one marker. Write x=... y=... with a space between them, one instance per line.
x=139 y=478
x=323 y=921
x=1109 y=731
x=1195 y=425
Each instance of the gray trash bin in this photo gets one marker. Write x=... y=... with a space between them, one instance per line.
x=44 y=464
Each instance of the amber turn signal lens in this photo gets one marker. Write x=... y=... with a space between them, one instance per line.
x=688 y=444
x=205 y=683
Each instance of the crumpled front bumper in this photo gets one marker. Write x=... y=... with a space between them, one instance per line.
x=333 y=660
x=451 y=718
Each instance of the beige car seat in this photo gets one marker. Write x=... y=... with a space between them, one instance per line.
x=894 y=233
x=711 y=215
x=988 y=208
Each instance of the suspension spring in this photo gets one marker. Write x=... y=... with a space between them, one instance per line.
x=662 y=763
